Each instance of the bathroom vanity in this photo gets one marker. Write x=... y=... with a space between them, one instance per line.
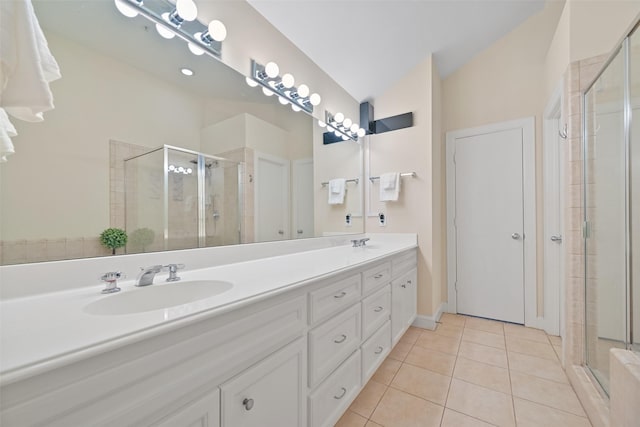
x=290 y=343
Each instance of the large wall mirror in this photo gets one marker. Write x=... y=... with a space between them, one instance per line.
x=178 y=161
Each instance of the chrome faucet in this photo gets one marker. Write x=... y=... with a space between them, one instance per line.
x=111 y=280
x=360 y=242
x=146 y=275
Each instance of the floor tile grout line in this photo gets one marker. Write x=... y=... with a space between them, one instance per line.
x=557 y=409
x=513 y=400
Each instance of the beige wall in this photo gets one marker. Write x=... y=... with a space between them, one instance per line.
x=416 y=149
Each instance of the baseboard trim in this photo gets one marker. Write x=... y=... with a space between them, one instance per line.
x=430 y=322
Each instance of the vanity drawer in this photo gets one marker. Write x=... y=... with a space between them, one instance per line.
x=331 y=399
x=375 y=277
x=403 y=263
x=374 y=350
x=332 y=298
x=376 y=309
x=331 y=343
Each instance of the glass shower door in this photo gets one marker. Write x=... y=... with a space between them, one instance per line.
x=634 y=95
x=605 y=189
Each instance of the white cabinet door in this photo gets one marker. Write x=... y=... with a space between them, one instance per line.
x=203 y=412
x=403 y=304
x=270 y=393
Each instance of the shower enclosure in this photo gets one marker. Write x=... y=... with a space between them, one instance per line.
x=179 y=199
x=611 y=129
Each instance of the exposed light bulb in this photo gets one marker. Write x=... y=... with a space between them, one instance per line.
x=267 y=91
x=194 y=48
x=272 y=69
x=181 y=169
x=303 y=90
x=282 y=100
x=217 y=30
x=345 y=138
x=125 y=9
x=288 y=81
x=315 y=99
x=172 y=168
x=186 y=71
x=164 y=31
x=361 y=132
x=347 y=123
x=354 y=128
x=187 y=9
x=251 y=82
x=339 y=117
x=295 y=108
x=321 y=123
x=189 y=170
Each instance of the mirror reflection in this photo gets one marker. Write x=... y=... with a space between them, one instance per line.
x=175 y=149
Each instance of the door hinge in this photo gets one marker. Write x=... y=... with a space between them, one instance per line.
x=455 y=285
x=454 y=158
x=586 y=230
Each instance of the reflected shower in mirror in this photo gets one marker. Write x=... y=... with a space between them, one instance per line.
x=123 y=100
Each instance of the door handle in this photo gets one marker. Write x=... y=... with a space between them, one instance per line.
x=300 y=231
x=515 y=236
x=556 y=239
x=280 y=232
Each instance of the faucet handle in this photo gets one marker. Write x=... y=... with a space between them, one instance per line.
x=111 y=279
x=355 y=243
x=173 y=271
x=363 y=242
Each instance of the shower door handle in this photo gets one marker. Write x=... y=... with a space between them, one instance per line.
x=556 y=239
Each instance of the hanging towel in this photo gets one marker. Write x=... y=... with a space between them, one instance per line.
x=6 y=132
x=26 y=68
x=389 y=186
x=337 y=190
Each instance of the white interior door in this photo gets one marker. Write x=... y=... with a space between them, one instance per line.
x=489 y=221
x=303 y=199
x=271 y=198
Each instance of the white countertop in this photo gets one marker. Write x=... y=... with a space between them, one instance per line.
x=45 y=331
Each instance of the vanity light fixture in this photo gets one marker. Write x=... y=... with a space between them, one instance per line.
x=340 y=128
x=180 y=170
x=179 y=21
x=268 y=76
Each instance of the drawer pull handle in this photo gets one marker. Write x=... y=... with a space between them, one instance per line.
x=340 y=295
x=377 y=276
x=379 y=350
x=344 y=391
x=248 y=404
x=378 y=309
x=342 y=338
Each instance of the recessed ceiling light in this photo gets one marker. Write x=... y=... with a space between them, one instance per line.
x=186 y=71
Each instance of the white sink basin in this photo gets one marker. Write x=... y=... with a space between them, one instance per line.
x=157 y=297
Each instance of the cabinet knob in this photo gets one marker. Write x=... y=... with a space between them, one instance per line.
x=343 y=392
x=342 y=338
x=379 y=350
x=248 y=404
x=378 y=309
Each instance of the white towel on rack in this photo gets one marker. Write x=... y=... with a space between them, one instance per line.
x=26 y=69
x=389 y=186
x=337 y=190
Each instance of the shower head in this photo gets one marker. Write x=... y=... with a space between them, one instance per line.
x=208 y=165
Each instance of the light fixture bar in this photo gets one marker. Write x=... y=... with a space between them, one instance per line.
x=337 y=130
x=210 y=46
x=276 y=85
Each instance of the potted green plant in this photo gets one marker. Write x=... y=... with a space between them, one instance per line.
x=142 y=237
x=113 y=238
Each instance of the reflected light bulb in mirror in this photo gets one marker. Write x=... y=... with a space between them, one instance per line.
x=186 y=71
x=282 y=100
x=162 y=30
x=125 y=9
x=288 y=81
x=347 y=123
x=345 y=138
x=189 y=170
x=303 y=90
x=354 y=128
x=251 y=82
x=266 y=91
x=194 y=48
x=217 y=30
x=295 y=108
x=272 y=69
x=172 y=168
x=315 y=99
x=361 y=132
x=321 y=123
x=337 y=133
x=187 y=9
x=339 y=117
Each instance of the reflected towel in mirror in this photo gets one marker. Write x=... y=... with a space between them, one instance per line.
x=337 y=190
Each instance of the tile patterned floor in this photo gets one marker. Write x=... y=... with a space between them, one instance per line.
x=469 y=372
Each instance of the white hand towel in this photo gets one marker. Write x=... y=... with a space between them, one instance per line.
x=6 y=132
x=389 y=186
x=27 y=64
x=337 y=190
